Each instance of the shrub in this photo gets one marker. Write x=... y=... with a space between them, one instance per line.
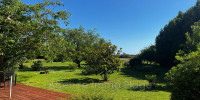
x=37 y=65
x=185 y=77
x=135 y=61
x=151 y=79
x=148 y=54
x=126 y=64
x=103 y=60
x=59 y=58
x=72 y=66
x=21 y=66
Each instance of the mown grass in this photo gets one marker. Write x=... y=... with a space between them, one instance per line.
x=127 y=84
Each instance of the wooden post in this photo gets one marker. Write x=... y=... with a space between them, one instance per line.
x=11 y=85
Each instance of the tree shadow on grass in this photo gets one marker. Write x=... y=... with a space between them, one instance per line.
x=139 y=72
x=149 y=88
x=53 y=68
x=80 y=81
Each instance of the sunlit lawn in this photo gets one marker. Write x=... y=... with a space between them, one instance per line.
x=126 y=84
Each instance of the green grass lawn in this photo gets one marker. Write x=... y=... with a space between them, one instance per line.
x=127 y=84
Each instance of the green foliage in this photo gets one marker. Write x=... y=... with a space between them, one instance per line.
x=87 y=70
x=172 y=37
x=82 y=43
x=25 y=30
x=185 y=77
x=151 y=79
x=59 y=58
x=72 y=66
x=23 y=66
x=103 y=60
x=126 y=64
x=135 y=61
x=193 y=39
x=37 y=66
x=148 y=54
x=124 y=55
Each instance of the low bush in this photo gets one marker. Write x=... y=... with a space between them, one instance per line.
x=135 y=61
x=126 y=64
x=152 y=80
x=21 y=66
x=73 y=66
x=37 y=65
x=185 y=77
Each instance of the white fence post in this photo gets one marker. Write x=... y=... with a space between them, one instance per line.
x=11 y=85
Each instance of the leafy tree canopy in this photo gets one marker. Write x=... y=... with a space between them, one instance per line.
x=185 y=77
x=82 y=43
x=25 y=29
x=172 y=37
x=103 y=60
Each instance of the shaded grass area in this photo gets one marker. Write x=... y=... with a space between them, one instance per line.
x=127 y=84
x=80 y=81
x=139 y=72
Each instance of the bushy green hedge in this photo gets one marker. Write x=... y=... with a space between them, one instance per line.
x=73 y=66
x=37 y=65
x=152 y=80
x=185 y=77
x=135 y=61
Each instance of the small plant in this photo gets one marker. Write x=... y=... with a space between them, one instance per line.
x=151 y=79
x=37 y=65
x=135 y=62
x=72 y=66
x=21 y=66
x=126 y=64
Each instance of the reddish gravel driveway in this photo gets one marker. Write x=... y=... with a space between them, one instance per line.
x=24 y=92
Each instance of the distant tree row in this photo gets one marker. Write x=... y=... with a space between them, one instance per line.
x=172 y=38
x=124 y=55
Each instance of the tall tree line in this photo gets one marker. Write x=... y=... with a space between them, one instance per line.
x=173 y=36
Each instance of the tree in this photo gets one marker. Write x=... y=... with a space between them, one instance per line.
x=57 y=48
x=148 y=54
x=82 y=43
x=172 y=37
x=103 y=60
x=185 y=77
x=124 y=55
x=193 y=39
x=25 y=29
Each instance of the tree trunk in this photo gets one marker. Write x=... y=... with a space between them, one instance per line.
x=79 y=64
x=105 y=77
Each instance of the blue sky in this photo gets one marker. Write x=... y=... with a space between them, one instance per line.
x=129 y=24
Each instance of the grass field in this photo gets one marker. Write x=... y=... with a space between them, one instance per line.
x=127 y=84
